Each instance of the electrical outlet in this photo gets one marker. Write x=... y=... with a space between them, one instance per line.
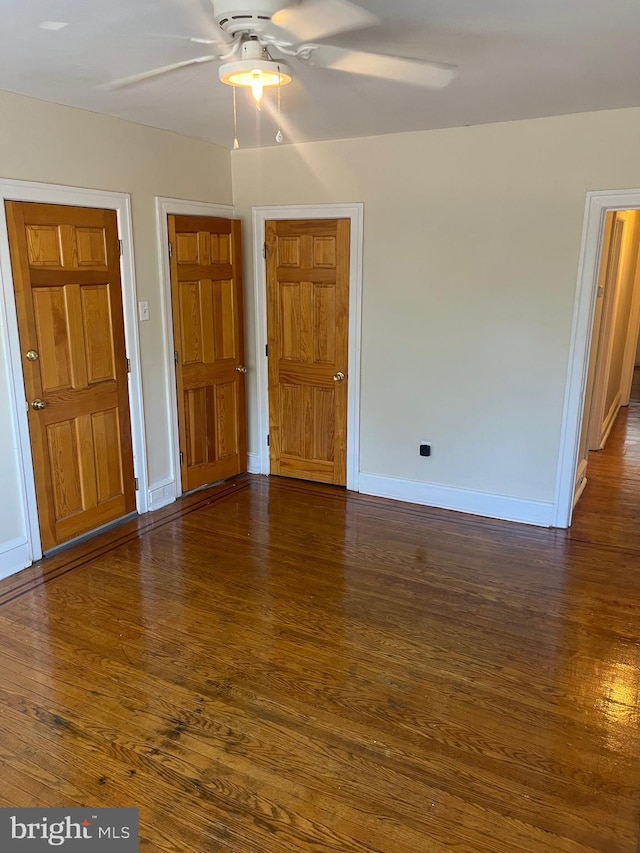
x=425 y=448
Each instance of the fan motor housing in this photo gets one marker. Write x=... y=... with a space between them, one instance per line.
x=243 y=16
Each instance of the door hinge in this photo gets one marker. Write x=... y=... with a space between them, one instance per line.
x=268 y=441
x=181 y=458
x=128 y=365
x=264 y=250
x=175 y=356
x=135 y=483
x=170 y=250
x=266 y=350
x=120 y=248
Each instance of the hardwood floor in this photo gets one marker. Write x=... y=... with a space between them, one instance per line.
x=277 y=667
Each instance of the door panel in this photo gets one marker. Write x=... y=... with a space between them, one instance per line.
x=206 y=292
x=609 y=279
x=307 y=326
x=66 y=270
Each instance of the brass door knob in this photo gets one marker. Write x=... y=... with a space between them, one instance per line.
x=241 y=369
x=38 y=404
x=31 y=355
x=339 y=377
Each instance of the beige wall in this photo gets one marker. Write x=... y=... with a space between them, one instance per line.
x=472 y=237
x=60 y=145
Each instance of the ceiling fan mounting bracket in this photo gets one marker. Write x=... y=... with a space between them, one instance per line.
x=245 y=16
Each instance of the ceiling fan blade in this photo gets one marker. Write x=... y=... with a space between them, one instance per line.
x=192 y=39
x=317 y=19
x=431 y=75
x=209 y=36
x=156 y=72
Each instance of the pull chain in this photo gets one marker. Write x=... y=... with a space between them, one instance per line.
x=279 y=136
x=236 y=144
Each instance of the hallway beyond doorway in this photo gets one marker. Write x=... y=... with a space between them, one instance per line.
x=609 y=510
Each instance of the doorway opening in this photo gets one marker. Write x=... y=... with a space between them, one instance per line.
x=260 y=460
x=604 y=348
x=30 y=539
x=166 y=491
x=307 y=264
x=68 y=297
x=208 y=338
x=614 y=338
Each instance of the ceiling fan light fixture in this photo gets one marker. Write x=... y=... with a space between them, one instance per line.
x=256 y=75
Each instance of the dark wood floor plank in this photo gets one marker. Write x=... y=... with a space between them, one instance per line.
x=47 y=570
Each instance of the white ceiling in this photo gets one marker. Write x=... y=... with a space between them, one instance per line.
x=516 y=59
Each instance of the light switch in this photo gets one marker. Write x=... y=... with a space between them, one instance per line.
x=143 y=311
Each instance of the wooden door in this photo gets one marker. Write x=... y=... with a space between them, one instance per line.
x=609 y=279
x=66 y=270
x=307 y=333
x=583 y=446
x=206 y=293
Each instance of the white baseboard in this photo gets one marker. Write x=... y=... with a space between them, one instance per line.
x=609 y=421
x=460 y=500
x=582 y=486
x=162 y=493
x=14 y=556
x=581 y=481
x=253 y=463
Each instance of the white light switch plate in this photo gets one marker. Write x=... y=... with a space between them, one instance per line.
x=143 y=311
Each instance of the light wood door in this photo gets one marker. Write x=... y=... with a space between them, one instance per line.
x=66 y=270
x=206 y=293
x=307 y=328
x=609 y=279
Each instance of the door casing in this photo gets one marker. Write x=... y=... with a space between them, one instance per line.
x=259 y=463
x=172 y=486
x=28 y=191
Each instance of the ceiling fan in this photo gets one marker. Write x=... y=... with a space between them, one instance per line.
x=255 y=39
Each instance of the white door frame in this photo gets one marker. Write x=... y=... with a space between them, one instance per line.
x=167 y=491
x=12 y=190
x=598 y=204
x=355 y=213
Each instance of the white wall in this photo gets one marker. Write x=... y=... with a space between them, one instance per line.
x=472 y=238
x=59 y=145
